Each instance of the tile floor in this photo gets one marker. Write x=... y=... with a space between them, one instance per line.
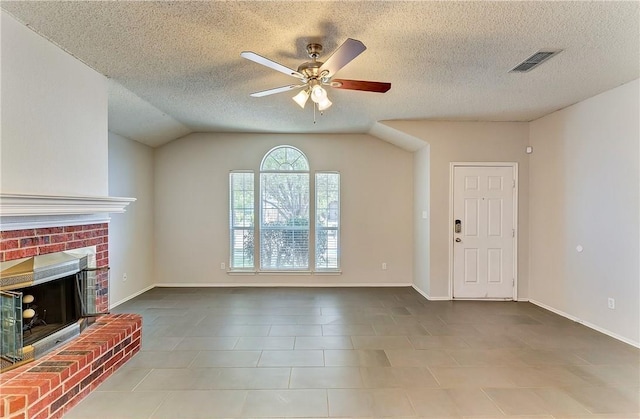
x=361 y=352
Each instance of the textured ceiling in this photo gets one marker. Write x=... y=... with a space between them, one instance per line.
x=175 y=67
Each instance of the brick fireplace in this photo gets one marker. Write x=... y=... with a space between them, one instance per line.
x=26 y=243
x=33 y=226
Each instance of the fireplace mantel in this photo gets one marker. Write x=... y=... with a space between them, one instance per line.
x=20 y=211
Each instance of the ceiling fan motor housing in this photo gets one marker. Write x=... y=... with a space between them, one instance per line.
x=311 y=69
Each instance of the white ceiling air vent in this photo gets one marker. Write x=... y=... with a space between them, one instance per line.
x=534 y=61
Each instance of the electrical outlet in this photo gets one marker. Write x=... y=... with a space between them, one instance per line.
x=611 y=303
x=384 y=266
x=124 y=277
x=223 y=266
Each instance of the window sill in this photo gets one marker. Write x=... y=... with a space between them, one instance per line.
x=284 y=273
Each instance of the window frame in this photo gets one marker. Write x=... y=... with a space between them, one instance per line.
x=257 y=228
x=232 y=228
x=319 y=228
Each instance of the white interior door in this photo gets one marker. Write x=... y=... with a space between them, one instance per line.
x=483 y=232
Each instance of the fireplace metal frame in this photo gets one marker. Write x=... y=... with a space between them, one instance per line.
x=30 y=272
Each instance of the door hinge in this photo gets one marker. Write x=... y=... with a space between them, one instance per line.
x=513 y=232
x=513 y=183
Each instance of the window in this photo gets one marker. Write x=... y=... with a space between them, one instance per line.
x=284 y=210
x=282 y=239
x=327 y=220
x=241 y=220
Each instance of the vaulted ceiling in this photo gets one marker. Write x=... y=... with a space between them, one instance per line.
x=175 y=67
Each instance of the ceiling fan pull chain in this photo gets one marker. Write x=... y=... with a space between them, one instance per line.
x=314 y=112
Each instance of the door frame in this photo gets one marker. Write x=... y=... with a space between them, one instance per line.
x=514 y=166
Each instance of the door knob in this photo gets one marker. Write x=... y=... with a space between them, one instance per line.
x=458 y=239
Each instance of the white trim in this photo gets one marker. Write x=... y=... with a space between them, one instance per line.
x=284 y=273
x=505 y=300
x=23 y=223
x=589 y=325
x=425 y=295
x=514 y=166
x=245 y=272
x=134 y=295
x=279 y=284
x=38 y=205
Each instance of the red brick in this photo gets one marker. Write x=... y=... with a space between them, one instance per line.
x=9 y=244
x=92 y=242
x=44 y=402
x=113 y=360
x=41 y=384
x=79 y=376
x=61 y=238
x=53 y=379
x=49 y=230
x=76 y=244
x=44 y=414
x=51 y=248
x=69 y=229
x=20 y=253
x=86 y=234
x=93 y=226
x=16 y=234
x=2 y=257
x=76 y=399
x=12 y=404
x=34 y=241
x=19 y=416
x=32 y=393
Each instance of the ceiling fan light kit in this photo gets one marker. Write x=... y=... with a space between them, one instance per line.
x=314 y=74
x=301 y=98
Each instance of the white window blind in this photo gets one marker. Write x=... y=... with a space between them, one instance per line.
x=241 y=225
x=284 y=210
x=327 y=243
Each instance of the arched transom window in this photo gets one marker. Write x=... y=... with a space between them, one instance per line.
x=284 y=210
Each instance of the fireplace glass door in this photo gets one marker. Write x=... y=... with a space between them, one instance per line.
x=11 y=321
x=91 y=293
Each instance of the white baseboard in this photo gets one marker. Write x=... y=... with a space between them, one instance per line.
x=134 y=295
x=425 y=295
x=589 y=325
x=279 y=284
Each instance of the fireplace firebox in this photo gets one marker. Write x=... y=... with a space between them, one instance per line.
x=45 y=301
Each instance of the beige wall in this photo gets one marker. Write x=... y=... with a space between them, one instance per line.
x=460 y=142
x=421 y=217
x=191 y=202
x=584 y=192
x=131 y=246
x=54 y=118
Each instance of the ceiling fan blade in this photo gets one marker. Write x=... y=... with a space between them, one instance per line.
x=346 y=52
x=270 y=63
x=277 y=90
x=367 y=86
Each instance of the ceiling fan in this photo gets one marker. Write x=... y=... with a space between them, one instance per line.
x=313 y=75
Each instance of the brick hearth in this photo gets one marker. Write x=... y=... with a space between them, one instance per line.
x=53 y=384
